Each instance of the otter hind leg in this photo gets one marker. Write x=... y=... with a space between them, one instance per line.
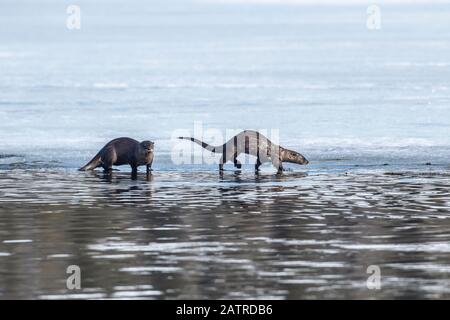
x=258 y=164
x=237 y=163
x=222 y=161
x=107 y=160
x=107 y=165
x=107 y=168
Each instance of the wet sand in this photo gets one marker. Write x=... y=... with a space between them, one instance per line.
x=201 y=235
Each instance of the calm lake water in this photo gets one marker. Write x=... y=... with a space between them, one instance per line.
x=369 y=109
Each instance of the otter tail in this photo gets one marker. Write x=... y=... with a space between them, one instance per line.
x=94 y=163
x=204 y=144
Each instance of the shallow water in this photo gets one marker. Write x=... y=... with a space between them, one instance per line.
x=202 y=235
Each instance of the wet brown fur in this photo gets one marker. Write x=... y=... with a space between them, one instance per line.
x=122 y=151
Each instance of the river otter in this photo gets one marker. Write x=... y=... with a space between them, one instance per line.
x=256 y=144
x=122 y=151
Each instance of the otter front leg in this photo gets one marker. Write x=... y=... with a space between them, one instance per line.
x=149 y=167
x=277 y=163
x=134 y=171
x=221 y=163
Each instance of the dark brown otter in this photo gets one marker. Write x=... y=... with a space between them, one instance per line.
x=123 y=151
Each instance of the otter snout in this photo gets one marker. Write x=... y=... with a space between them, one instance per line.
x=301 y=160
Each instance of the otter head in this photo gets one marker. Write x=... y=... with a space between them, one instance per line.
x=293 y=157
x=147 y=146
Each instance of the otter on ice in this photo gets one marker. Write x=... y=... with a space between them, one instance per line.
x=253 y=143
x=123 y=151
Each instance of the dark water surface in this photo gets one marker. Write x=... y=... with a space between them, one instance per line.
x=202 y=235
